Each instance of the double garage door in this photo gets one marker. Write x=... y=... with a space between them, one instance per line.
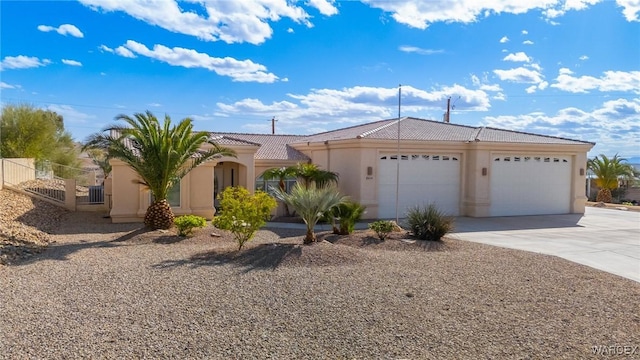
x=530 y=185
x=519 y=184
x=423 y=179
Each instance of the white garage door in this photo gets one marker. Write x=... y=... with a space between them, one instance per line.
x=424 y=179
x=530 y=185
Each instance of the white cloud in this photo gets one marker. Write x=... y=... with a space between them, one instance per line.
x=531 y=89
x=490 y=87
x=105 y=48
x=517 y=57
x=65 y=29
x=228 y=21
x=631 y=9
x=504 y=39
x=154 y=104
x=610 y=81
x=565 y=71
x=321 y=107
x=70 y=114
x=417 y=50
x=584 y=57
x=71 y=62
x=524 y=32
x=527 y=42
x=124 y=52
x=238 y=70
x=500 y=96
x=4 y=85
x=325 y=7
x=520 y=75
x=420 y=14
x=290 y=31
x=614 y=125
x=22 y=62
x=563 y=6
x=483 y=85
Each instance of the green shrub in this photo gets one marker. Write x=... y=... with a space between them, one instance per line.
x=186 y=223
x=348 y=213
x=242 y=213
x=428 y=223
x=382 y=228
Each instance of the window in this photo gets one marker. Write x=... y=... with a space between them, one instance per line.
x=173 y=196
x=275 y=183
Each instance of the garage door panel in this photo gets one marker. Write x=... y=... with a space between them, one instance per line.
x=424 y=179
x=530 y=185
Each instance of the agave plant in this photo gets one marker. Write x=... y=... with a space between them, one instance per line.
x=161 y=155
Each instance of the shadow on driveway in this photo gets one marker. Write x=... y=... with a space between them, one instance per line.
x=506 y=223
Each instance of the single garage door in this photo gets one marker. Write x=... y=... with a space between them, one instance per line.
x=530 y=185
x=424 y=179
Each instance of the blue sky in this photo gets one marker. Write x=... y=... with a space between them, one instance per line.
x=562 y=68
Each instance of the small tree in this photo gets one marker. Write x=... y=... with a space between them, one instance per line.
x=242 y=213
x=609 y=172
x=311 y=203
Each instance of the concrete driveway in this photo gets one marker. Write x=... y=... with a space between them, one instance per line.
x=604 y=239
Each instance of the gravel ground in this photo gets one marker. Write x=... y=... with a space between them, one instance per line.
x=107 y=290
x=24 y=225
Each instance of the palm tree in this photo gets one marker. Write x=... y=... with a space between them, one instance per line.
x=281 y=174
x=161 y=154
x=608 y=172
x=311 y=173
x=311 y=203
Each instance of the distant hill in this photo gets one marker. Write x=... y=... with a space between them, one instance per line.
x=634 y=160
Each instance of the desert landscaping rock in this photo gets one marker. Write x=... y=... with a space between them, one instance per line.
x=107 y=290
x=24 y=225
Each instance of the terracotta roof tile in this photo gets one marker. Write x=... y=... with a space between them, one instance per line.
x=272 y=147
x=429 y=130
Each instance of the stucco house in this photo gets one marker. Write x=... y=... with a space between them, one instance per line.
x=464 y=170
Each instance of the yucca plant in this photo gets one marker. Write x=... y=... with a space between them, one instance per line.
x=161 y=155
x=428 y=223
x=311 y=203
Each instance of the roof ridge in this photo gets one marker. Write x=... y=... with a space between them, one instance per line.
x=222 y=133
x=367 y=133
x=541 y=135
x=236 y=139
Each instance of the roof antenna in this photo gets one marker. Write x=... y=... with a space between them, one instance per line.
x=273 y=125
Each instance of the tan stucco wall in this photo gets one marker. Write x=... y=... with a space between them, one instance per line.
x=17 y=170
x=352 y=158
x=130 y=200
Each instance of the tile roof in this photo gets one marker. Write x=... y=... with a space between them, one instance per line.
x=429 y=130
x=277 y=147
x=272 y=147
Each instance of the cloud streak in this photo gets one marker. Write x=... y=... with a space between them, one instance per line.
x=237 y=70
